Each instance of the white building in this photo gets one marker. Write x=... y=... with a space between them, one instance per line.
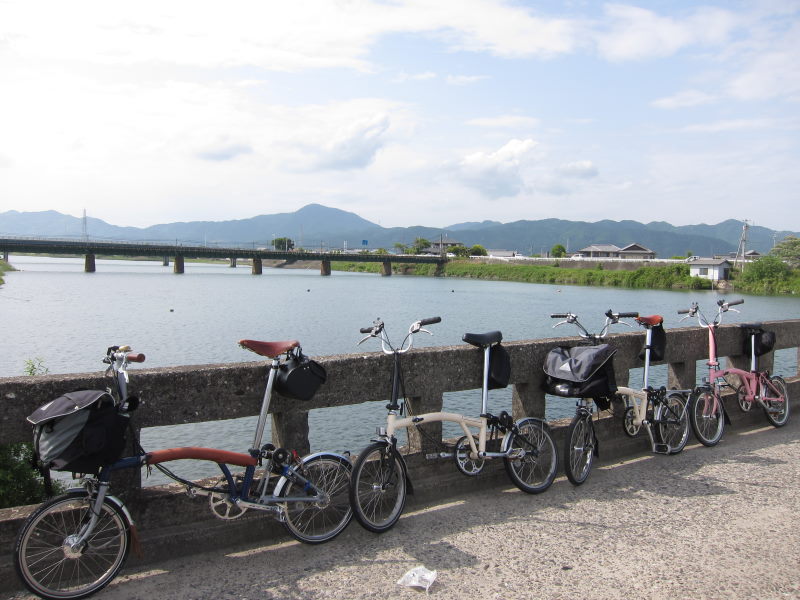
x=715 y=269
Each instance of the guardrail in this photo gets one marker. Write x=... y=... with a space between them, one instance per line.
x=190 y=394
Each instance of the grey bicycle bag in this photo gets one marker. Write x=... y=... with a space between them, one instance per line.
x=79 y=432
x=580 y=371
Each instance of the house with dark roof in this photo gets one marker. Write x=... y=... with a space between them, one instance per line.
x=635 y=251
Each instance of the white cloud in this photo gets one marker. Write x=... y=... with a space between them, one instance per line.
x=581 y=169
x=464 y=79
x=497 y=174
x=771 y=69
x=633 y=33
x=730 y=125
x=354 y=146
x=404 y=77
x=685 y=99
x=505 y=122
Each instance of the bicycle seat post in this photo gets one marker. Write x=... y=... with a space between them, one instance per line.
x=262 y=416
x=487 y=353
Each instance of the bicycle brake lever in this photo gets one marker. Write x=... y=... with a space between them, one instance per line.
x=365 y=339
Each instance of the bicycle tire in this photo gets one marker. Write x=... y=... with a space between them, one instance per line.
x=50 y=568
x=378 y=487
x=707 y=416
x=579 y=449
x=535 y=471
x=317 y=522
x=777 y=419
x=672 y=423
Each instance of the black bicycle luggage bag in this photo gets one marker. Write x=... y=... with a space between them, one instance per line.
x=79 y=432
x=580 y=371
x=764 y=341
x=300 y=377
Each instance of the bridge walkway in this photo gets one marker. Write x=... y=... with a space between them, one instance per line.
x=707 y=523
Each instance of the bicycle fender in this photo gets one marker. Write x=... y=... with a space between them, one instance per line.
x=409 y=485
x=508 y=437
x=113 y=499
x=283 y=480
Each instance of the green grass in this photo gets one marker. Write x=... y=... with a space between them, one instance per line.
x=668 y=277
x=4 y=266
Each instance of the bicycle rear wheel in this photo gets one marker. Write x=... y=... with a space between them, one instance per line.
x=316 y=522
x=672 y=423
x=707 y=416
x=378 y=487
x=534 y=468
x=579 y=454
x=776 y=401
x=50 y=564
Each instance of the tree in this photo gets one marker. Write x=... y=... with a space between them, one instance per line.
x=283 y=243
x=401 y=247
x=558 y=251
x=420 y=244
x=478 y=250
x=460 y=251
x=788 y=251
x=766 y=268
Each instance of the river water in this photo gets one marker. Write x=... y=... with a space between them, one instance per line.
x=54 y=312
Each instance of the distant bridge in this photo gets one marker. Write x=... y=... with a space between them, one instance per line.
x=178 y=253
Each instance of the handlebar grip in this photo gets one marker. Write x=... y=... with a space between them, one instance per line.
x=430 y=321
x=683 y=311
x=137 y=357
x=559 y=315
x=628 y=315
x=735 y=302
x=365 y=330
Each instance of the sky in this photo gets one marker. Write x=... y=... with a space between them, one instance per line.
x=403 y=112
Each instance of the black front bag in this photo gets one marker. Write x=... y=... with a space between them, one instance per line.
x=580 y=371
x=79 y=432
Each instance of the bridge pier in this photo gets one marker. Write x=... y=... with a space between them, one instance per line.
x=386 y=268
x=439 y=272
x=165 y=261
x=177 y=267
x=257 y=267
x=88 y=263
x=5 y=255
x=233 y=262
x=325 y=268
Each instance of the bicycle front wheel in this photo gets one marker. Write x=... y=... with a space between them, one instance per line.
x=378 y=487
x=707 y=416
x=533 y=460
x=316 y=522
x=776 y=401
x=672 y=423
x=579 y=452
x=48 y=559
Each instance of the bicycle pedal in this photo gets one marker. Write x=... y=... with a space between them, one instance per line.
x=661 y=448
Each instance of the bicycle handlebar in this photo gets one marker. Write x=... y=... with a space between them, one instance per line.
x=735 y=302
x=684 y=311
x=137 y=358
x=430 y=321
x=559 y=315
x=627 y=315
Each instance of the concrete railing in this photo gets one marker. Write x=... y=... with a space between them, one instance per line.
x=168 y=520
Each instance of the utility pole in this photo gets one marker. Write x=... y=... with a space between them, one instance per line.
x=740 y=251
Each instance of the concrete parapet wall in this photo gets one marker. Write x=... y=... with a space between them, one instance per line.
x=170 y=522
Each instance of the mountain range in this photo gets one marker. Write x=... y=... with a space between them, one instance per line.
x=315 y=226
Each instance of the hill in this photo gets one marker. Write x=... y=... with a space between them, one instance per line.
x=317 y=226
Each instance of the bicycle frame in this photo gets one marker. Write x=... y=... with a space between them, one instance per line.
x=394 y=422
x=641 y=398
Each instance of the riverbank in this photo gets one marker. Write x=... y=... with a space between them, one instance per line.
x=4 y=266
x=675 y=276
x=653 y=277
